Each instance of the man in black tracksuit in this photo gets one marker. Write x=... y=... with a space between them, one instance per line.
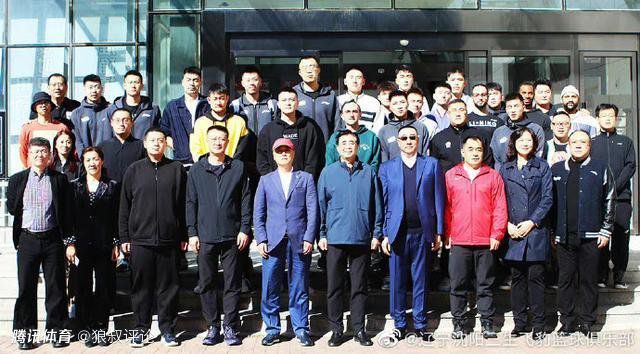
x=153 y=230
x=618 y=151
x=303 y=132
x=219 y=223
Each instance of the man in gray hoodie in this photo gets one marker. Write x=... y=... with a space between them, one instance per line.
x=400 y=117
x=91 y=124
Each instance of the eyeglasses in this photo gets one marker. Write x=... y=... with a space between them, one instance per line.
x=410 y=137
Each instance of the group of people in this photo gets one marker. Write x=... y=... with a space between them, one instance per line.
x=468 y=189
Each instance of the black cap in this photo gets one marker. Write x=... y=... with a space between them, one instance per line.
x=39 y=97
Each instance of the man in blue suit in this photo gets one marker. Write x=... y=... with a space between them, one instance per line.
x=286 y=222
x=414 y=200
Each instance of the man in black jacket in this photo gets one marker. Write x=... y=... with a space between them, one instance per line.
x=618 y=151
x=37 y=199
x=63 y=106
x=219 y=224
x=153 y=230
x=302 y=131
x=584 y=202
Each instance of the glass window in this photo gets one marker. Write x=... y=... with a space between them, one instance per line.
x=27 y=74
x=437 y=4
x=354 y=4
x=2 y=13
x=104 y=21
x=511 y=71
x=142 y=67
x=37 y=21
x=522 y=4
x=477 y=73
x=176 y=4
x=254 y=4
x=603 y=5
x=110 y=63
x=2 y=77
x=143 y=9
x=175 y=46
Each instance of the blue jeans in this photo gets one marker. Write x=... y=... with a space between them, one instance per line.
x=272 y=274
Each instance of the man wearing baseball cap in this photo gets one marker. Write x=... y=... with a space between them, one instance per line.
x=581 y=119
x=42 y=126
x=285 y=217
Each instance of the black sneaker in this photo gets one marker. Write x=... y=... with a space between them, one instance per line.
x=336 y=339
x=213 y=336
x=362 y=338
x=458 y=331
x=304 y=339
x=400 y=333
x=270 y=339
x=517 y=332
x=565 y=331
x=169 y=340
x=425 y=335
x=231 y=336
x=538 y=334
x=488 y=332
x=137 y=341
x=587 y=331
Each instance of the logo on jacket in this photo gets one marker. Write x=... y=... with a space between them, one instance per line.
x=447 y=145
x=84 y=119
x=302 y=103
x=146 y=115
x=265 y=111
x=504 y=139
x=325 y=103
x=594 y=172
x=365 y=147
x=557 y=178
x=391 y=139
x=292 y=136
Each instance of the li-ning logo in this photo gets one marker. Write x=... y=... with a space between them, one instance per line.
x=594 y=172
x=447 y=145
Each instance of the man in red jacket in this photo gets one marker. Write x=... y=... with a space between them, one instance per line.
x=475 y=222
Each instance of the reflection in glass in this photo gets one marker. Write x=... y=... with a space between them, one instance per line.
x=603 y=5
x=254 y=4
x=2 y=13
x=522 y=4
x=353 y=4
x=143 y=9
x=511 y=71
x=2 y=77
x=37 y=21
x=27 y=74
x=176 y=4
x=436 y=4
x=477 y=72
x=104 y=21
x=110 y=63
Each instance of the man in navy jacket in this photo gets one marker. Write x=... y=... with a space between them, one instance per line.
x=350 y=199
x=414 y=199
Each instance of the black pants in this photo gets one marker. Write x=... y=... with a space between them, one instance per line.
x=155 y=270
x=527 y=290
x=619 y=253
x=229 y=256
x=32 y=253
x=93 y=306
x=358 y=257
x=578 y=270
x=464 y=263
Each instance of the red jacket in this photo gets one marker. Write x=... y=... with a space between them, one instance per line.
x=476 y=210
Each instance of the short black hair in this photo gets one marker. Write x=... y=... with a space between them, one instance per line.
x=408 y=127
x=457 y=100
x=525 y=83
x=386 y=86
x=416 y=91
x=512 y=152
x=494 y=86
x=561 y=113
x=354 y=67
x=95 y=149
x=40 y=141
x=456 y=71
x=220 y=128
x=91 y=78
x=218 y=88
x=404 y=67
x=192 y=70
x=441 y=84
x=475 y=138
x=541 y=82
x=134 y=73
x=604 y=106
x=64 y=78
x=514 y=96
x=348 y=102
x=287 y=89
x=251 y=69
x=154 y=130
x=397 y=93
x=580 y=131
x=480 y=85
x=314 y=57
x=345 y=132
x=121 y=110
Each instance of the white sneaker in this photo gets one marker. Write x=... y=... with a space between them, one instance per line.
x=169 y=340
x=602 y=285
x=621 y=286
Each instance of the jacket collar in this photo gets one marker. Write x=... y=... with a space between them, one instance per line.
x=532 y=163
x=460 y=171
x=584 y=163
x=181 y=102
x=263 y=98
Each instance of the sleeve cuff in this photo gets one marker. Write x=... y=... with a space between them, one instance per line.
x=70 y=240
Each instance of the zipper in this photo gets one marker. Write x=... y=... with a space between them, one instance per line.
x=157 y=214
x=255 y=118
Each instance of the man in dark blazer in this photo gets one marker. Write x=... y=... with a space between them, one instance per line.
x=286 y=221
x=414 y=199
x=37 y=198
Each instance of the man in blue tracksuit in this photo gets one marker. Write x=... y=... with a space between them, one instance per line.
x=316 y=101
x=181 y=113
x=91 y=126
x=350 y=199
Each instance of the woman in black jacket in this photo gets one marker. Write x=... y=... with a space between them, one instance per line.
x=64 y=158
x=95 y=244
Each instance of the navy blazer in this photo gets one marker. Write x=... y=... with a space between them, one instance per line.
x=296 y=216
x=176 y=123
x=431 y=196
x=529 y=197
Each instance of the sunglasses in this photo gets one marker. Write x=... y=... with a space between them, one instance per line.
x=410 y=137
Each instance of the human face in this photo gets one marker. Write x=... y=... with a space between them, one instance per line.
x=92 y=163
x=457 y=113
x=580 y=145
x=383 y=97
x=251 y=83
x=309 y=70
x=442 y=96
x=560 y=126
x=351 y=114
x=398 y=106
x=607 y=120
x=515 y=110
x=121 y=123
x=354 y=80
x=472 y=153
x=408 y=141
x=287 y=102
x=133 y=85
x=217 y=141
x=524 y=144
x=155 y=143
x=283 y=156
x=480 y=96
x=348 y=147
x=416 y=102
x=526 y=91
x=191 y=84
x=39 y=156
x=43 y=107
x=63 y=144
x=93 y=91
x=457 y=83
x=495 y=99
x=57 y=88
x=404 y=80
x=219 y=103
x=570 y=102
x=543 y=95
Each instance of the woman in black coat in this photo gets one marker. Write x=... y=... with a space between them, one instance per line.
x=528 y=186
x=64 y=158
x=95 y=246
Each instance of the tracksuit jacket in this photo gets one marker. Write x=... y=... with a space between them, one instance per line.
x=324 y=109
x=176 y=123
x=618 y=151
x=368 y=150
x=146 y=116
x=91 y=124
